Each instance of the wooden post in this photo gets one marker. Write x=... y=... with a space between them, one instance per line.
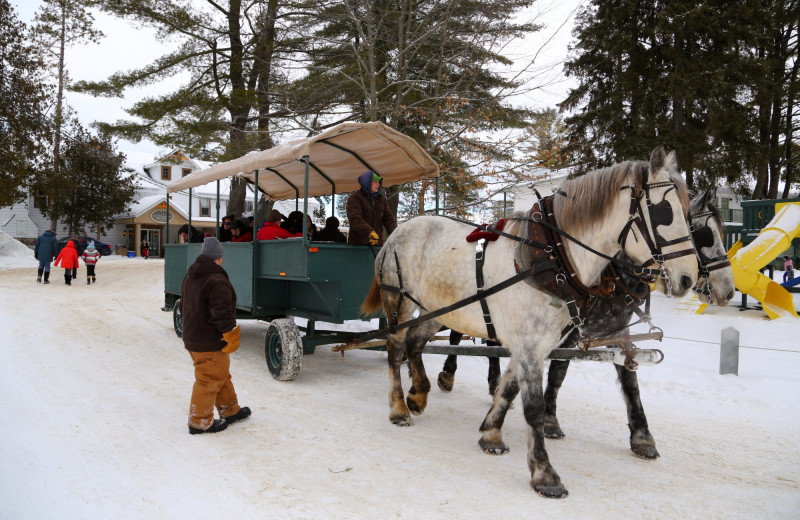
x=729 y=352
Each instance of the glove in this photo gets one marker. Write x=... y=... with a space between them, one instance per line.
x=373 y=238
x=36 y=256
x=232 y=338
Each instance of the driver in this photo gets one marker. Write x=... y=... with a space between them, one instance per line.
x=368 y=212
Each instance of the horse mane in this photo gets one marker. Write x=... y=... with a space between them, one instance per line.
x=585 y=200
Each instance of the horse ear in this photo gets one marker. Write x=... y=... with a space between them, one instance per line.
x=657 y=159
x=671 y=162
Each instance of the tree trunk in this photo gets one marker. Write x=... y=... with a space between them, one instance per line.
x=59 y=115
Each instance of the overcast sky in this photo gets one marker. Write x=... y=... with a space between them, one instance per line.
x=126 y=47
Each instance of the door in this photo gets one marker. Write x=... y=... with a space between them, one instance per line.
x=153 y=244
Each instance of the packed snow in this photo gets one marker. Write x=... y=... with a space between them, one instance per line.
x=96 y=388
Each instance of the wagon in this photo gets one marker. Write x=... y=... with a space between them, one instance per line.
x=277 y=280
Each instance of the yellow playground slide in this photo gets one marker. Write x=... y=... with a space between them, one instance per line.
x=775 y=238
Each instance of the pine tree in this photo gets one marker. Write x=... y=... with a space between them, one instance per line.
x=24 y=129
x=60 y=24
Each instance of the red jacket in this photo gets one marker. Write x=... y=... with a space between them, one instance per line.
x=271 y=230
x=68 y=257
x=247 y=236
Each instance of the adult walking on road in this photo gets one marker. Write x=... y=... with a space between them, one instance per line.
x=44 y=250
x=210 y=334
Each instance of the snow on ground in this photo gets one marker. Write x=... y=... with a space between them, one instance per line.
x=96 y=388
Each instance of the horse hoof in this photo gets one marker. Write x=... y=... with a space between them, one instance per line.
x=445 y=381
x=553 y=431
x=550 y=490
x=401 y=420
x=493 y=447
x=414 y=407
x=646 y=452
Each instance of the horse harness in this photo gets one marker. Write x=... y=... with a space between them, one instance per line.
x=553 y=273
x=704 y=237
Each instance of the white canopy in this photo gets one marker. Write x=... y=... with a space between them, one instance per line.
x=334 y=154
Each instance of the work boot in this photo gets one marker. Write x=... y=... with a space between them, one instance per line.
x=94 y=279
x=217 y=426
x=39 y=275
x=243 y=413
x=47 y=277
x=88 y=281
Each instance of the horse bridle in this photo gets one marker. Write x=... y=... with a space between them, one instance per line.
x=704 y=237
x=659 y=215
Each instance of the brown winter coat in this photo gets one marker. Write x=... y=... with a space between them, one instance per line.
x=368 y=214
x=208 y=306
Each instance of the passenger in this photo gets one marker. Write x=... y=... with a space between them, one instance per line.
x=241 y=231
x=271 y=228
x=294 y=223
x=196 y=236
x=368 y=212
x=331 y=233
x=225 y=234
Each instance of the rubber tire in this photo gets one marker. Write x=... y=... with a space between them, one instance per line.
x=177 y=318
x=283 y=349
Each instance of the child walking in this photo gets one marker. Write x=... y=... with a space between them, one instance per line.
x=68 y=258
x=90 y=257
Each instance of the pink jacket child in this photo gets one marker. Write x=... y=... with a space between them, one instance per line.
x=90 y=257
x=788 y=269
x=68 y=258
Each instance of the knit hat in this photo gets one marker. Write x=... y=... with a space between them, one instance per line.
x=211 y=248
x=91 y=245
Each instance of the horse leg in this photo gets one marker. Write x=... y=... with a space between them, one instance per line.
x=448 y=374
x=544 y=478
x=416 y=338
x=642 y=442
x=555 y=377
x=494 y=374
x=491 y=440
x=398 y=411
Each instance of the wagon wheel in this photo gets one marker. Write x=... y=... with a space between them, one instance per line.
x=177 y=318
x=283 y=349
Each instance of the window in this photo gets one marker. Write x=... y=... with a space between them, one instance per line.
x=185 y=172
x=205 y=207
x=248 y=206
x=166 y=172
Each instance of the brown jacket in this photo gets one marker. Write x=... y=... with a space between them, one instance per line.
x=368 y=214
x=208 y=306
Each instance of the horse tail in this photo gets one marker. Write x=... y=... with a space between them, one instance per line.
x=372 y=303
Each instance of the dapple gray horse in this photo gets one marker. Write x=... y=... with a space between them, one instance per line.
x=607 y=318
x=429 y=260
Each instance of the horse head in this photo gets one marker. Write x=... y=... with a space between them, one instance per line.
x=663 y=240
x=715 y=285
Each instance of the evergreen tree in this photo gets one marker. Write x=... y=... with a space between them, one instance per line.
x=709 y=79
x=24 y=129
x=228 y=105
x=429 y=69
x=60 y=24
x=93 y=187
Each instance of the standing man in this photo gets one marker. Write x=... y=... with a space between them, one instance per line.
x=368 y=212
x=44 y=250
x=210 y=333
